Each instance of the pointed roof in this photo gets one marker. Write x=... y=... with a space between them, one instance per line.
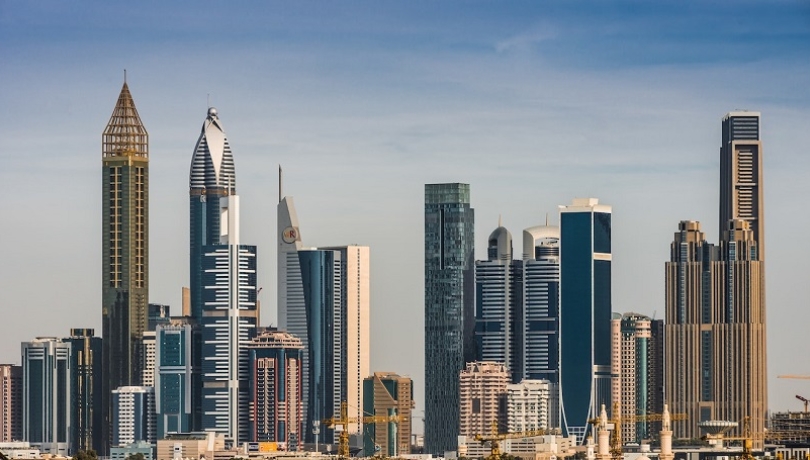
x=125 y=134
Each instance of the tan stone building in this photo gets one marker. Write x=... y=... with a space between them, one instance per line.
x=388 y=394
x=482 y=391
x=10 y=402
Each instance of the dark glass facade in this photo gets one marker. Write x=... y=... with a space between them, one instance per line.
x=585 y=313
x=449 y=308
x=86 y=391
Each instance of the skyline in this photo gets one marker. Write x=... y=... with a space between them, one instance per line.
x=531 y=105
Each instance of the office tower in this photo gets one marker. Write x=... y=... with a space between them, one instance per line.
x=212 y=177
x=125 y=245
x=741 y=194
x=498 y=303
x=86 y=387
x=715 y=357
x=177 y=380
x=633 y=383
x=585 y=308
x=133 y=415
x=482 y=387
x=322 y=280
x=292 y=316
x=386 y=394
x=276 y=405
x=529 y=406
x=47 y=409
x=449 y=308
x=10 y=402
x=229 y=320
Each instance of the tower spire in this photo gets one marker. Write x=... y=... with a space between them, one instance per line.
x=280 y=182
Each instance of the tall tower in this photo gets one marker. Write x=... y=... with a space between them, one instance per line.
x=86 y=386
x=449 y=308
x=125 y=245
x=585 y=310
x=212 y=177
x=47 y=411
x=741 y=194
x=177 y=380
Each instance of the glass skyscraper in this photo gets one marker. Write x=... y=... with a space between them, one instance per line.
x=449 y=308
x=47 y=410
x=86 y=390
x=585 y=313
x=177 y=403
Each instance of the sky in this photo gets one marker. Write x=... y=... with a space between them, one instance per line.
x=364 y=102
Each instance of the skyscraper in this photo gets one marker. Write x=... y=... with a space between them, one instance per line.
x=449 y=308
x=87 y=424
x=229 y=321
x=125 y=244
x=212 y=177
x=10 y=402
x=47 y=409
x=386 y=394
x=277 y=413
x=585 y=309
x=133 y=415
x=715 y=359
x=177 y=379
x=292 y=312
x=741 y=194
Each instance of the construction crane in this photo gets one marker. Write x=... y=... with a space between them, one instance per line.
x=794 y=376
x=494 y=439
x=344 y=420
x=747 y=438
x=616 y=449
x=804 y=400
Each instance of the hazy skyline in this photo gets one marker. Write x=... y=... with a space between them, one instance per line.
x=363 y=103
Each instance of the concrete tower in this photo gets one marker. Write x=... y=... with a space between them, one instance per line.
x=125 y=245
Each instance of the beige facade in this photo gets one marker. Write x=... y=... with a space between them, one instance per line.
x=192 y=446
x=10 y=403
x=392 y=394
x=715 y=361
x=482 y=390
x=631 y=336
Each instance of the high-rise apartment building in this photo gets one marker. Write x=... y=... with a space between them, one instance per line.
x=177 y=380
x=10 y=403
x=634 y=386
x=387 y=394
x=47 y=409
x=276 y=391
x=86 y=390
x=715 y=361
x=133 y=415
x=229 y=321
x=482 y=387
x=212 y=177
x=125 y=244
x=585 y=310
x=449 y=308
x=529 y=406
x=148 y=359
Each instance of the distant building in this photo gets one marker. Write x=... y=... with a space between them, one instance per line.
x=87 y=425
x=193 y=446
x=133 y=415
x=449 y=308
x=585 y=309
x=387 y=394
x=529 y=406
x=10 y=402
x=47 y=402
x=141 y=447
x=177 y=380
x=157 y=314
x=276 y=391
x=482 y=390
x=148 y=358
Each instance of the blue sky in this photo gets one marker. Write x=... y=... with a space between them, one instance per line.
x=364 y=102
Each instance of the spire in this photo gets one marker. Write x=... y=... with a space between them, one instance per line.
x=546 y=219
x=500 y=222
x=125 y=134
x=280 y=182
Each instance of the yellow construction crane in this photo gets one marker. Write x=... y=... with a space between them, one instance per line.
x=344 y=420
x=616 y=449
x=794 y=376
x=494 y=439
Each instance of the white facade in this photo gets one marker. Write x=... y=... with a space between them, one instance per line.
x=528 y=405
x=148 y=370
x=134 y=415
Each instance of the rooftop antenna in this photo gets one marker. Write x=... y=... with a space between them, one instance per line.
x=125 y=75
x=280 y=182
x=546 y=219
x=208 y=101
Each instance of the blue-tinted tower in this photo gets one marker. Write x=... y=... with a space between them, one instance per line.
x=449 y=308
x=585 y=313
x=176 y=378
